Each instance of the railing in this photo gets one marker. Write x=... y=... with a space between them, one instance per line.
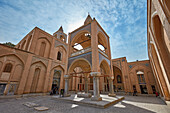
x=87 y=50
x=102 y=52
x=81 y=51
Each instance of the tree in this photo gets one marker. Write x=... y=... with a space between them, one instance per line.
x=9 y=44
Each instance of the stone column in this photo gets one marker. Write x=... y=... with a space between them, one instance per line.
x=96 y=96
x=66 y=94
x=86 y=84
x=111 y=92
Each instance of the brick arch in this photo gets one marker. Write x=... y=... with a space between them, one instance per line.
x=75 y=64
x=15 y=56
x=77 y=35
x=64 y=48
x=47 y=47
x=106 y=66
x=40 y=80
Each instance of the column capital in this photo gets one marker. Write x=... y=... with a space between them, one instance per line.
x=95 y=74
x=66 y=76
x=111 y=77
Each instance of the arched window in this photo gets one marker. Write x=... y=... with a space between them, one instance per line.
x=59 y=56
x=42 y=49
x=119 y=79
x=141 y=78
x=8 y=68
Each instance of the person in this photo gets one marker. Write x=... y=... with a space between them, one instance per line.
x=56 y=89
x=134 y=92
x=156 y=93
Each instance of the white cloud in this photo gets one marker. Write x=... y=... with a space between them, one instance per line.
x=18 y=18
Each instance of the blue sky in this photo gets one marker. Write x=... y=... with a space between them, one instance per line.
x=125 y=21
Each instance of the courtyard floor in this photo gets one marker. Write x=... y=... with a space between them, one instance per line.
x=131 y=104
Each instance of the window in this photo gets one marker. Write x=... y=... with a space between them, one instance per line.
x=141 y=78
x=119 y=79
x=59 y=56
x=8 y=68
x=42 y=49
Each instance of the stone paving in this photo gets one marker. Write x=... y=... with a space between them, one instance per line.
x=131 y=104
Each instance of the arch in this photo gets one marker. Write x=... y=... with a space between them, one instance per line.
x=82 y=38
x=105 y=66
x=22 y=61
x=102 y=41
x=59 y=45
x=8 y=68
x=139 y=65
x=38 y=84
x=57 y=67
x=63 y=38
x=42 y=49
x=78 y=34
x=45 y=39
x=60 y=84
x=44 y=44
x=139 y=72
x=82 y=63
x=39 y=62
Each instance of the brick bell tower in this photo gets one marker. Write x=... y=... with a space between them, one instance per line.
x=89 y=54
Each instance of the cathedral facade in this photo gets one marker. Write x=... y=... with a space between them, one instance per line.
x=35 y=65
x=41 y=61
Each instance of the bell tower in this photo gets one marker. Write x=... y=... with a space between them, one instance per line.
x=60 y=35
x=89 y=53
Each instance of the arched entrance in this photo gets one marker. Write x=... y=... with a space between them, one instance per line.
x=79 y=72
x=118 y=81
x=104 y=79
x=56 y=79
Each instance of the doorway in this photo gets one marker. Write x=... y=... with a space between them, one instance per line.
x=56 y=79
x=143 y=89
x=2 y=88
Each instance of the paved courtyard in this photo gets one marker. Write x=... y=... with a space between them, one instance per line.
x=131 y=104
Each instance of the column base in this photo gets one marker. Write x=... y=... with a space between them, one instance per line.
x=84 y=95
x=96 y=98
x=67 y=95
x=112 y=95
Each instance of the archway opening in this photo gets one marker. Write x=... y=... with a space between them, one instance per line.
x=118 y=81
x=56 y=80
x=104 y=79
x=79 y=71
x=81 y=42
x=102 y=43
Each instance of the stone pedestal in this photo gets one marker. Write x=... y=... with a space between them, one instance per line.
x=96 y=92
x=66 y=93
x=111 y=92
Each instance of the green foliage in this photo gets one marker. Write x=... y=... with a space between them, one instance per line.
x=9 y=44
